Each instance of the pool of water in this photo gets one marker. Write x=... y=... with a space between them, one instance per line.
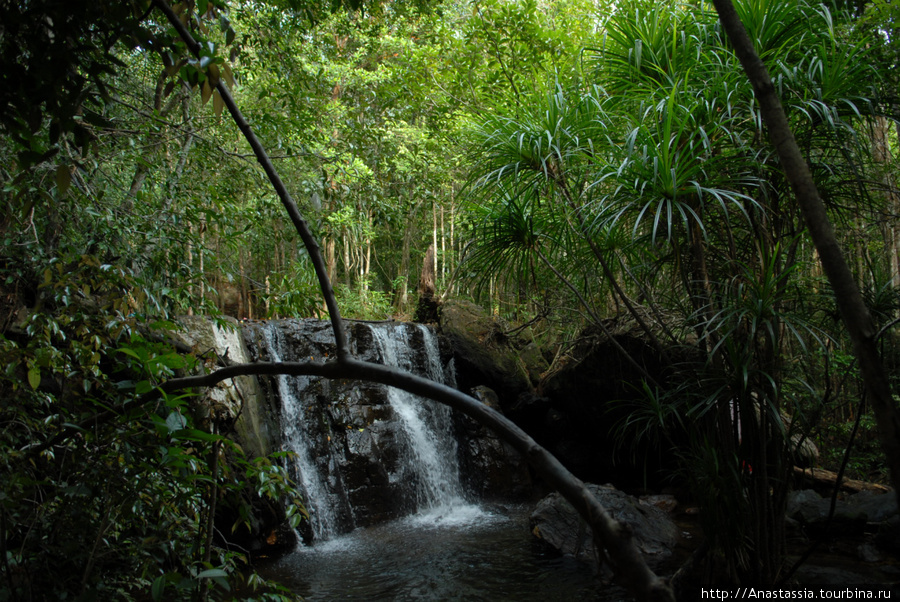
x=462 y=553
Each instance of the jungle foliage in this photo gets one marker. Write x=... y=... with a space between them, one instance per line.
x=568 y=161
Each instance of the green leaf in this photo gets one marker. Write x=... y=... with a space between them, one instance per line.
x=185 y=434
x=158 y=587
x=176 y=422
x=130 y=352
x=34 y=377
x=171 y=360
x=210 y=573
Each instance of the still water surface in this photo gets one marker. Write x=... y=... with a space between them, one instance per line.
x=461 y=553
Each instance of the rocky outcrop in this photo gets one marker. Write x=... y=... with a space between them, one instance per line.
x=244 y=414
x=590 y=397
x=238 y=404
x=572 y=407
x=556 y=523
x=484 y=356
x=352 y=438
x=354 y=441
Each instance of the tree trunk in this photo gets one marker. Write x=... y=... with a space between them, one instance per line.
x=855 y=314
x=190 y=262
x=402 y=294
x=434 y=240
x=881 y=155
x=347 y=262
x=426 y=309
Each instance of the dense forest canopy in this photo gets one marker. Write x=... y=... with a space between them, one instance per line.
x=566 y=164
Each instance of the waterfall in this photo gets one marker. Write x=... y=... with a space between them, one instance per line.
x=431 y=454
x=363 y=453
x=321 y=501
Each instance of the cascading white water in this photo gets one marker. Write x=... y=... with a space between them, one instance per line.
x=431 y=445
x=319 y=501
x=363 y=453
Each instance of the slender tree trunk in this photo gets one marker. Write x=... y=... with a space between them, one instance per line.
x=190 y=262
x=855 y=314
x=368 y=263
x=881 y=154
x=434 y=237
x=202 y=262
x=409 y=233
x=453 y=252
x=347 y=261
x=330 y=258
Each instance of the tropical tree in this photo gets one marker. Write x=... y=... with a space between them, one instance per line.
x=121 y=417
x=652 y=174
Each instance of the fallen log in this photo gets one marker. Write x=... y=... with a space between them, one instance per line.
x=821 y=479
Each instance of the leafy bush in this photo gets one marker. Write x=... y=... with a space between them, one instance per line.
x=108 y=487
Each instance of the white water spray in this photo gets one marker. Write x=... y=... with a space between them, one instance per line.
x=431 y=445
x=319 y=501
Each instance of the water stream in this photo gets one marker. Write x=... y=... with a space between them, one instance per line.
x=448 y=547
x=320 y=500
x=430 y=447
x=469 y=554
x=410 y=447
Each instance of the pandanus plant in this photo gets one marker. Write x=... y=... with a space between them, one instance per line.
x=654 y=174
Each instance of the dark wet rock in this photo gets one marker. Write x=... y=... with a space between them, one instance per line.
x=571 y=406
x=869 y=553
x=888 y=535
x=490 y=468
x=590 y=396
x=877 y=507
x=664 y=501
x=352 y=430
x=483 y=354
x=809 y=508
x=555 y=522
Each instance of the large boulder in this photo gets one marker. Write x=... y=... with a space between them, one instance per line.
x=238 y=404
x=811 y=509
x=556 y=523
x=588 y=398
x=572 y=405
x=484 y=355
x=244 y=414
